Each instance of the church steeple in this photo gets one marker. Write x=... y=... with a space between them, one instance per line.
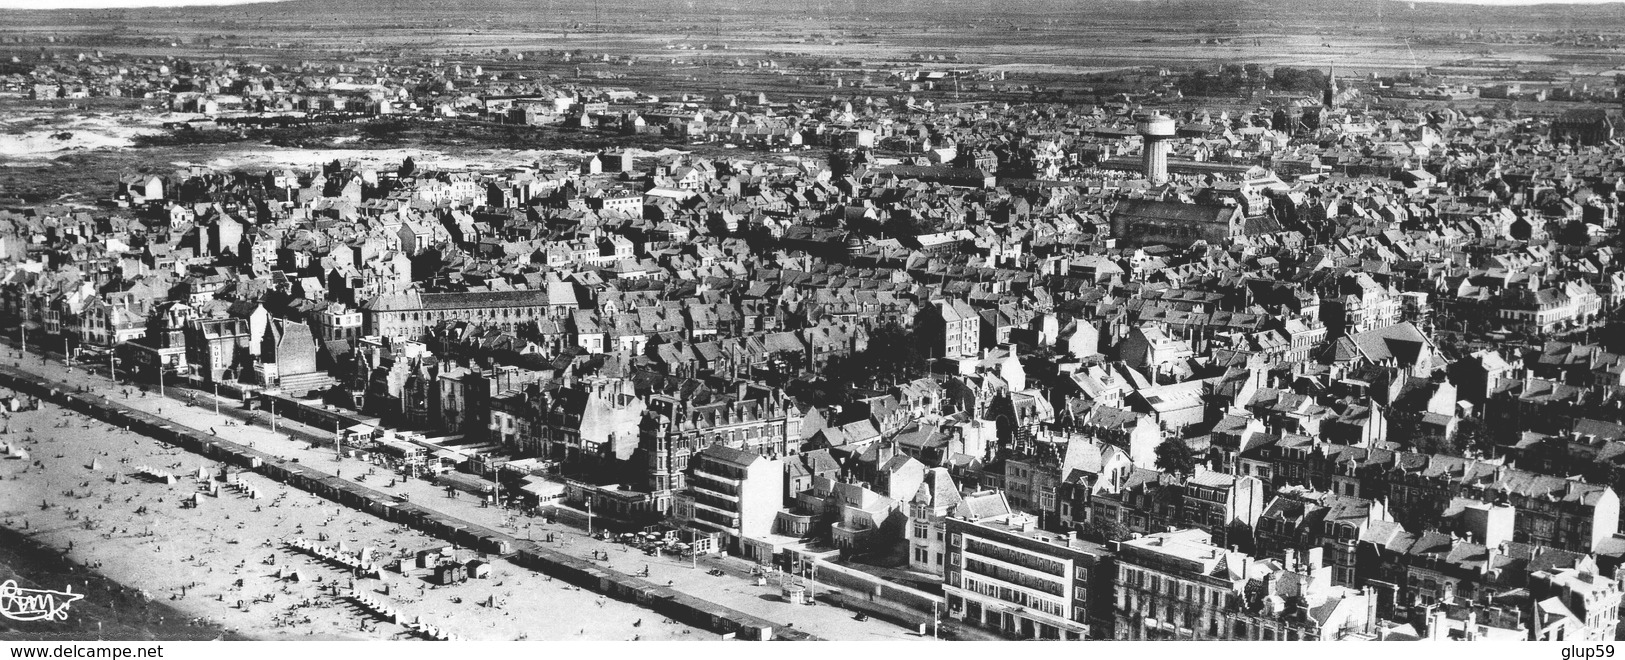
x=1330 y=93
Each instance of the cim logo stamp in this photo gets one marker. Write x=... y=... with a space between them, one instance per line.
x=20 y=604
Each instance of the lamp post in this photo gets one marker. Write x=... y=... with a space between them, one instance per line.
x=216 y=383
x=24 y=325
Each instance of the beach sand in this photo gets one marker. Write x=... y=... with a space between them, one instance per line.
x=79 y=492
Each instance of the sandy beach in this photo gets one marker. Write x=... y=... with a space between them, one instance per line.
x=225 y=560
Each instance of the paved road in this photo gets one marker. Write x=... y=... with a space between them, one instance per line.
x=314 y=449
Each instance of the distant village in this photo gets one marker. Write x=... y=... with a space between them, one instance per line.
x=1325 y=369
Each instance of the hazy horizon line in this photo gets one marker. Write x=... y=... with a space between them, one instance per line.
x=54 y=5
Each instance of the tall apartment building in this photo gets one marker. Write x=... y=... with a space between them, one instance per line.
x=1005 y=574
x=735 y=492
x=949 y=329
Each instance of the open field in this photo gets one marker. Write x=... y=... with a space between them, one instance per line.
x=1359 y=35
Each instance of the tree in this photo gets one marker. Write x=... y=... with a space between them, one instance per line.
x=1101 y=530
x=1473 y=434
x=1174 y=457
x=907 y=225
x=891 y=356
x=1298 y=80
x=1430 y=444
x=1574 y=232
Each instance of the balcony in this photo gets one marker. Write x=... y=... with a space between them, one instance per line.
x=1032 y=592
x=981 y=554
x=847 y=538
x=709 y=489
x=715 y=512
x=792 y=524
x=702 y=474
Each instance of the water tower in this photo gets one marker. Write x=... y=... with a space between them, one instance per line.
x=1156 y=130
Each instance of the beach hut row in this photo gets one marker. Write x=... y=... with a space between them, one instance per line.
x=375 y=606
x=155 y=474
x=353 y=561
x=431 y=632
x=242 y=488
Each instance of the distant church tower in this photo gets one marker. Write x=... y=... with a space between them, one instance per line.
x=1329 y=95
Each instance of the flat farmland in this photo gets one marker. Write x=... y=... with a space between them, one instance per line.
x=1015 y=37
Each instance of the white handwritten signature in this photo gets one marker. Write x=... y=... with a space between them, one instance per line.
x=20 y=604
